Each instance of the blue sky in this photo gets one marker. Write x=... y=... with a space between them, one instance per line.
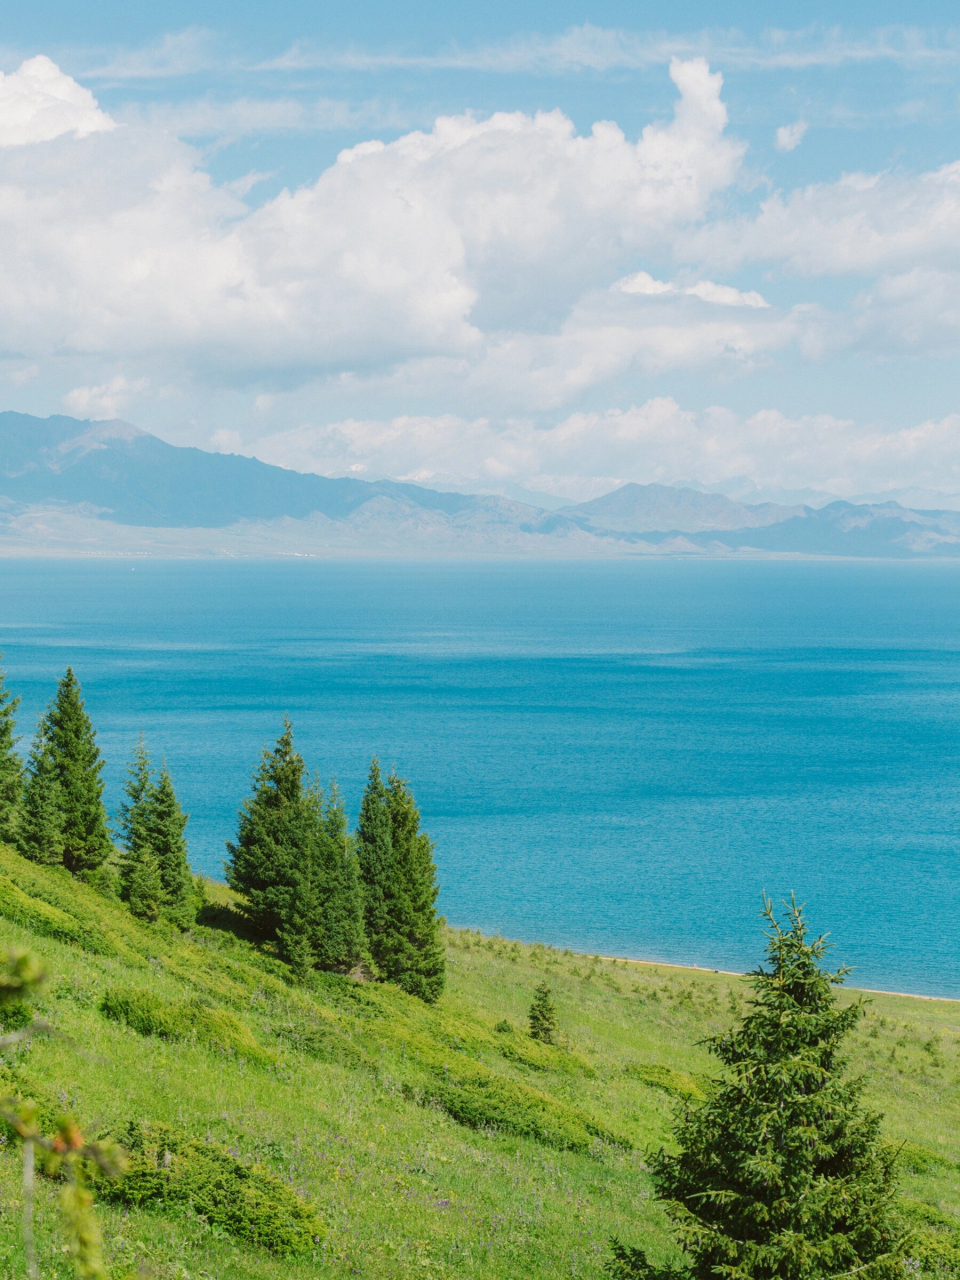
x=389 y=240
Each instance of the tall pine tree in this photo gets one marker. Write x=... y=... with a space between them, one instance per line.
x=294 y=864
x=781 y=1174
x=11 y=766
x=413 y=850
x=40 y=828
x=166 y=824
x=133 y=816
x=76 y=758
x=269 y=849
x=386 y=905
x=339 y=939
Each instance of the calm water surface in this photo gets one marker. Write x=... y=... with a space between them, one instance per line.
x=616 y=757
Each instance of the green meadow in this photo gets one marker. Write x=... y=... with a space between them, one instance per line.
x=411 y=1140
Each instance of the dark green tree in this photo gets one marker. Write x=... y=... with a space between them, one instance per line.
x=387 y=913
x=781 y=1174
x=543 y=1016
x=11 y=766
x=413 y=850
x=40 y=828
x=294 y=863
x=273 y=829
x=132 y=816
x=165 y=826
x=145 y=893
x=339 y=938
x=76 y=757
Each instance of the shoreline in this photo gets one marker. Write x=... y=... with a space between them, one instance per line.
x=698 y=968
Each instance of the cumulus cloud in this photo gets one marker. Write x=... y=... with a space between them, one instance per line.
x=39 y=103
x=723 y=295
x=435 y=245
x=106 y=400
x=656 y=441
x=789 y=136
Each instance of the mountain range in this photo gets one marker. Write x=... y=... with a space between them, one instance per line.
x=78 y=487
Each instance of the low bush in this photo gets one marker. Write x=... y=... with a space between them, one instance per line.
x=152 y=1015
x=475 y=1096
x=166 y=1167
x=48 y=920
x=678 y=1083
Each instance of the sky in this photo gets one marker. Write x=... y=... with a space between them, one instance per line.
x=519 y=248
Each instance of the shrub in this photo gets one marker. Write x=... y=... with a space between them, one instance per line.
x=248 y=1201
x=151 y=1015
x=543 y=1016
x=48 y=920
x=678 y=1083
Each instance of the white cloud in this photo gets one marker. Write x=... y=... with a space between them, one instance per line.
x=435 y=245
x=178 y=53
x=592 y=48
x=106 y=400
x=239 y=117
x=655 y=441
x=789 y=136
x=723 y=295
x=39 y=103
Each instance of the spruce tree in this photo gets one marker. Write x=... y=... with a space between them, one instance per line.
x=72 y=739
x=339 y=939
x=781 y=1174
x=40 y=828
x=11 y=766
x=145 y=893
x=274 y=851
x=386 y=905
x=543 y=1016
x=133 y=816
x=166 y=824
x=413 y=850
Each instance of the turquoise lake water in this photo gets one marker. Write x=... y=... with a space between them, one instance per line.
x=616 y=757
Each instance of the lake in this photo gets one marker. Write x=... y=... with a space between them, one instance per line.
x=618 y=757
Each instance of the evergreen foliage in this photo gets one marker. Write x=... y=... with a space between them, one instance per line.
x=145 y=888
x=166 y=823
x=77 y=762
x=413 y=851
x=293 y=863
x=781 y=1173
x=387 y=910
x=270 y=838
x=40 y=826
x=132 y=816
x=152 y=826
x=11 y=766
x=340 y=942
x=543 y=1016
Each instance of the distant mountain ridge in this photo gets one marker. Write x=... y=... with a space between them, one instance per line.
x=638 y=507
x=108 y=488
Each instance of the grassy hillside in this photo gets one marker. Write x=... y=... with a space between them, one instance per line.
x=429 y=1142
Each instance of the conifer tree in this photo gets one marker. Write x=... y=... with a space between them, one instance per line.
x=386 y=905
x=72 y=741
x=132 y=816
x=339 y=939
x=781 y=1173
x=263 y=863
x=40 y=828
x=165 y=826
x=543 y=1016
x=145 y=892
x=11 y=766
x=413 y=850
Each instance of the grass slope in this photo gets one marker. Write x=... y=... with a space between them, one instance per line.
x=428 y=1142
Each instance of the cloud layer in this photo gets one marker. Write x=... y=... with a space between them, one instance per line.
x=490 y=299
